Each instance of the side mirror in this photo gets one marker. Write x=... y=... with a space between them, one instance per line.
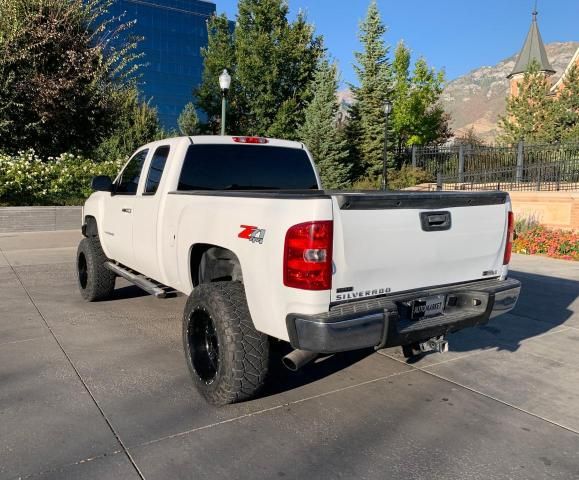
x=102 y=183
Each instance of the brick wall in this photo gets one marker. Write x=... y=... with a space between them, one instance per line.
x=37 y=219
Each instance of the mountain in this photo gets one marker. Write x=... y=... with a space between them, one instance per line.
x=477 y=99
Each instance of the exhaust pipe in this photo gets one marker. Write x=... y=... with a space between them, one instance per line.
x=297 y=359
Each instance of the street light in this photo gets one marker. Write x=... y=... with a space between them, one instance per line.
x=224 y=83
x=387 y=111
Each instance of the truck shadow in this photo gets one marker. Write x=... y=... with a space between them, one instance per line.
x=129 y=291
x=280 y=379
x=544 y=305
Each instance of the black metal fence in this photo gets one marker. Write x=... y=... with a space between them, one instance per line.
x=551 y=176
x=523 y=167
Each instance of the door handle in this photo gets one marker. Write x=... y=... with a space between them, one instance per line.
x=435 y=221
x=127 y=210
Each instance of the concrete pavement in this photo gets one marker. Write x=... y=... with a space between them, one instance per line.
x=102 y=391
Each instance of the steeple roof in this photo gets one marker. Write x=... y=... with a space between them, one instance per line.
x=533 y=50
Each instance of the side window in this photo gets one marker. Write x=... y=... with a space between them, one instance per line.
x=156 y=170
x=129 y=179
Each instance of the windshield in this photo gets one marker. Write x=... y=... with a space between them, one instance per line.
x=246 y=167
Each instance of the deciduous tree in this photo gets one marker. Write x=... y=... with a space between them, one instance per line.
x=136 y=123
x=272 y=62
x=63 y=67
x=217 y=56
x=417 y=116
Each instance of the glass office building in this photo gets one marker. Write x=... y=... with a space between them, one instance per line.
x=173 y=31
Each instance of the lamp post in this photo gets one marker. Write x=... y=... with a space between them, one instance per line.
x=387 y=111
x=224 y=83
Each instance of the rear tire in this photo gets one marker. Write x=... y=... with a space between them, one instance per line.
x=95 y=281
x=227 y=357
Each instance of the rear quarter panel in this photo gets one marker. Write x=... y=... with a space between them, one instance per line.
x=215 y=220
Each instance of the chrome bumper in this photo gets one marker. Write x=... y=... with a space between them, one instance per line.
x=384 y=322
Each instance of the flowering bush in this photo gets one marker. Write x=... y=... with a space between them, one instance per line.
x=553 y=243
x=26 y=179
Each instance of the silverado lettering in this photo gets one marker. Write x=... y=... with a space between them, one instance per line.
x=367 y=293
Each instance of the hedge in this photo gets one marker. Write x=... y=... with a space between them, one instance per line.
x=27 y=179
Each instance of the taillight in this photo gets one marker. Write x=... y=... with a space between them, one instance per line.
x=307 y=259
x=260 y=140
x=510 y=238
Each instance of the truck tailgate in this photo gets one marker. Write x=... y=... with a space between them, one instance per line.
x=393 y=242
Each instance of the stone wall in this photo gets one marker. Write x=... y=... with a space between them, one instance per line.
x=37 y=219
x=552 y=209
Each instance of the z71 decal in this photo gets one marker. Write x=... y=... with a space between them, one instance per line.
x=253 y=234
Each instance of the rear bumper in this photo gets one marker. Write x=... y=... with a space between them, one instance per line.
x=384 y=322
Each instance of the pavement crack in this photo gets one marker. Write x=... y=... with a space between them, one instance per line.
x=20 y=341
x=270 y=409
x=61 y=468
x=77 y=372
x=490 y=397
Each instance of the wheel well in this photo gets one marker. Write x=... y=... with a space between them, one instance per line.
x=211 y=263
x=90 y=228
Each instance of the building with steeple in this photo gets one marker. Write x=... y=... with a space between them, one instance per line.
x=533 y=51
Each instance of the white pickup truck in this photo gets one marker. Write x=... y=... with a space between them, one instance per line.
x=243 y=227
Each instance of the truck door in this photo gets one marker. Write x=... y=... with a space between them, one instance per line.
x=118 y=217
x=145 y=216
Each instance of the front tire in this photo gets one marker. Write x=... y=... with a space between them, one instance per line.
x=227 y=357
x=95 y=281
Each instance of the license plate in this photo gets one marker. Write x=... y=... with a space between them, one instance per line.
x=427 y=306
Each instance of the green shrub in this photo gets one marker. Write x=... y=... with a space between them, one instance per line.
x=524 y=224
x=26 y=179
x=406 y=177
x=367 y=183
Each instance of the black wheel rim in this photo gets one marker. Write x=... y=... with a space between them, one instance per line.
x=203 y=345
x=82 y=271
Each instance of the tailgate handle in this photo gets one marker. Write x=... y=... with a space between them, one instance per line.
x=435 y=221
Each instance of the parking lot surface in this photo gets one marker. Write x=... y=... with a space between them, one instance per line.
x=102 y=391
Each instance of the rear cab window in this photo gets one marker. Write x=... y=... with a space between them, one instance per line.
x=246 y=167
x=156 y=169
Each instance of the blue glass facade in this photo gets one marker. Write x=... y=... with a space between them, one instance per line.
x=173 y=31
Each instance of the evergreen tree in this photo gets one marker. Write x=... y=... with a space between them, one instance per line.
x=320 y=133
x=188 y=120
x=568 y=106
x=353 y=134
x=531 y=116
x=375 y=77
x=417 y=117
x=272 y=62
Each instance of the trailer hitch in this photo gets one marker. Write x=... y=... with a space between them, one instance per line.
x=435 y=344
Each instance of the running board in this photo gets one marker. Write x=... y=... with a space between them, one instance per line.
x=137 y=279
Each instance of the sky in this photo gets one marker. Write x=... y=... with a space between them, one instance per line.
x=457 y=35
